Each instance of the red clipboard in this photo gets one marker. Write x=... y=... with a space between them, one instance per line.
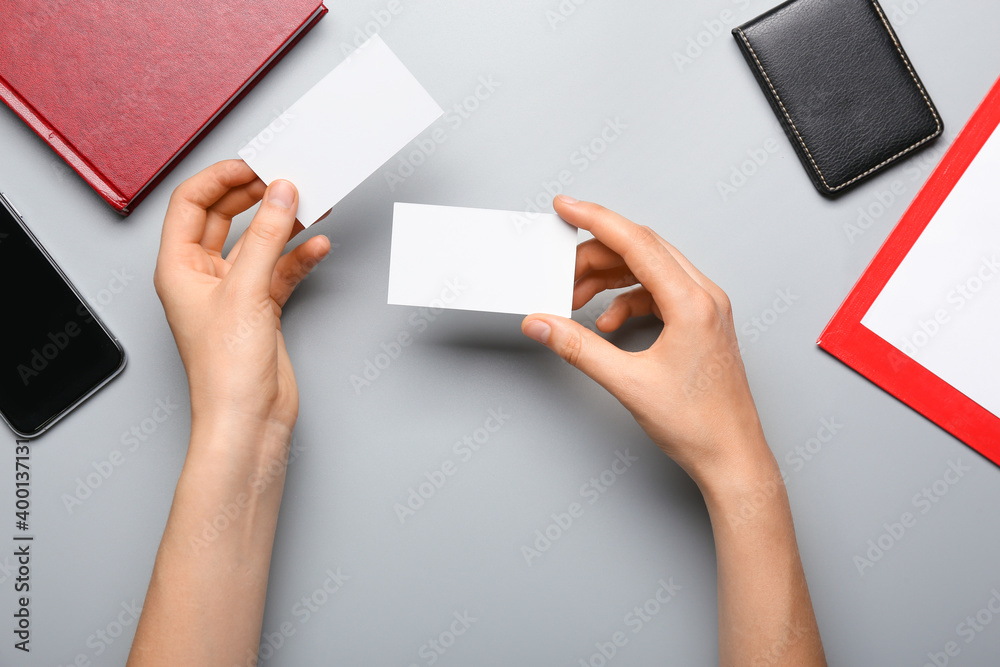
x=858 y=347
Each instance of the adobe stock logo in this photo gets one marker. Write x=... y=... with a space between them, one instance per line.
x=47 y=11
x=131 y=441
x=762 y=323
x=923 y=501
x=904 y=11
x=102 y=638
x=267 y=135
x=381 y=18
x=41 y=356
x=563 y=12
x=304 y=609
x=637 y=619
x=423 y=148
x=882 y=202
x=593 y=490
x=961 y=295
x=800 y=455
x=435 y=647
x=120 y=280
x=390 y=352
x=53 y=345
x=582 y=159
x=742 y=173
x=714 y=29
x=970 y=628
x=464 y=449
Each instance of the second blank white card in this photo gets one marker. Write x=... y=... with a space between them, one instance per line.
x=476 y=259
x=348 y=125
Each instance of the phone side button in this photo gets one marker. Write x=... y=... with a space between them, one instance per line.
x=7 y=199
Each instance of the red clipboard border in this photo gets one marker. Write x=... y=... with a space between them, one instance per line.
x=855 y=345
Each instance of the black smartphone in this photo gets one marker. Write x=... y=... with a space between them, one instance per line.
x=54 y=350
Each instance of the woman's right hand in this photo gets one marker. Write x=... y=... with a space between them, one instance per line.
x=689 y=391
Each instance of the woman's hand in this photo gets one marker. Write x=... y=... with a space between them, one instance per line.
x=226 y=317
x=689 y=391
x=225 y=312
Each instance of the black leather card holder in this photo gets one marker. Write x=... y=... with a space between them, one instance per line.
x=841 y=85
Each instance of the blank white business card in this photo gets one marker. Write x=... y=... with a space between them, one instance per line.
x=346 y=127
x=477 y=259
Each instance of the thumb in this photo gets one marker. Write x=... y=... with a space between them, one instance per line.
x=579 y=346
x=265 y=239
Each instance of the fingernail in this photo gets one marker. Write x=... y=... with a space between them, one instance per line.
x=538 y=330
x=329 y=251
x=567 y=200
x=281 y=193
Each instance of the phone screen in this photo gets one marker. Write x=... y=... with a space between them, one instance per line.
x=54 y=352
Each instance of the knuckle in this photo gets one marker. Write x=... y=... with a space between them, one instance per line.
x=629 y=302
x=158 y=283
x=702 y=308
x=188 y=190
x=292 y=275
x=725 y=305
x=284 y=275
x=267 y=232
x=644 y=235
x=623 y=301
x=233 y=168
x=236 y=291
x=179 y=195
x=625 y=280
x=572 y=349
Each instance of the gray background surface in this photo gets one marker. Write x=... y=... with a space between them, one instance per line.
x=687 y=129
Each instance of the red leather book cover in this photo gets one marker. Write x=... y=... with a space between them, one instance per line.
x=123 y=90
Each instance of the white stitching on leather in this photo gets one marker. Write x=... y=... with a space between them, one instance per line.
x=899 y=49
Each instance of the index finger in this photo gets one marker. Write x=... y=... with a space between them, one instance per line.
x=187 y=213
x=650 y=262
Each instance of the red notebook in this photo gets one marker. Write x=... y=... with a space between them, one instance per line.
x=848 y=339
x=123 y=90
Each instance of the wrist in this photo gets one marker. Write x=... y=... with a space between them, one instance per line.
x=239 y=445
x=230 y=489
x=744 y=483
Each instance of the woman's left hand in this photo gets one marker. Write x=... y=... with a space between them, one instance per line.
x=225 y=312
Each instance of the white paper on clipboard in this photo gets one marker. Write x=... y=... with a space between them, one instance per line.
x=941 y=307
